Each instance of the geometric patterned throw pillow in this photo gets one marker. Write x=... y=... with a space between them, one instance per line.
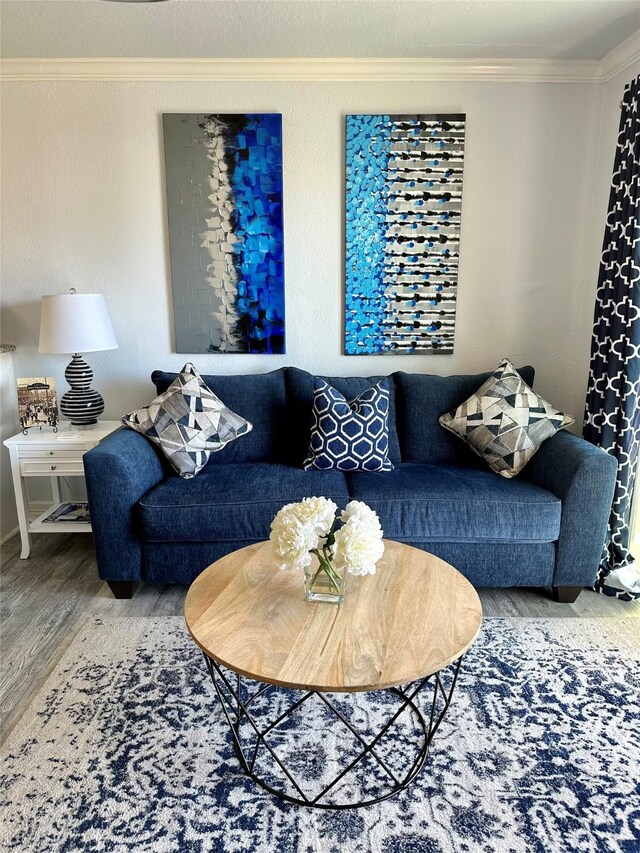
x=349 y=436
x=188 y=423
x=505 y=421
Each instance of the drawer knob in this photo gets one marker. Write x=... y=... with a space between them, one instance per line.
x=51 y=453
x=53 y=467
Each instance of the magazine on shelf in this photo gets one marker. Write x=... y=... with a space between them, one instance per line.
x=77 y=512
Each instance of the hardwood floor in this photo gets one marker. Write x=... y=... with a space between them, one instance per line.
x=45 y=600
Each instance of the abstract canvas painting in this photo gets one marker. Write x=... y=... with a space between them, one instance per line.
x=403 y=208
x=224 y=198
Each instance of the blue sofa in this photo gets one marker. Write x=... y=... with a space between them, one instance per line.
x=543 y=528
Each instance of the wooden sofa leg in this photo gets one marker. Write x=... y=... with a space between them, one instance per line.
x=566 y=594
x=122 y=589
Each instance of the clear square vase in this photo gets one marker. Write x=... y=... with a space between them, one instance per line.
x=323 y=583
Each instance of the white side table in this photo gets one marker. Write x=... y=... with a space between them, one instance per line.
x=43 y=453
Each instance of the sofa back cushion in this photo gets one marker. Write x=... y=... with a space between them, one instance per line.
x=299 y=410
x=420 y=400
x=260 y=398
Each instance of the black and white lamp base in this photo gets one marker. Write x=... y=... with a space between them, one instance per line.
x=82 y=405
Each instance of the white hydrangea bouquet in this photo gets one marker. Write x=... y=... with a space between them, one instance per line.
x=304 y=530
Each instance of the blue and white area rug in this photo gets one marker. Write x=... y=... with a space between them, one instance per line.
x=125 y=749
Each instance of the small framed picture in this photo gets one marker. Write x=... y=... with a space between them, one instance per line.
x=37 y=403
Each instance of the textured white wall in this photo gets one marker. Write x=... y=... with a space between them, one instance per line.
x=83 y=206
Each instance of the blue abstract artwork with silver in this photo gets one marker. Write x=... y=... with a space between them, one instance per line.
x=403 y=209
x=224 y=200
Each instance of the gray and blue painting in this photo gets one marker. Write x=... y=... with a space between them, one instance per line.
x=403 y=207
x=224 y=195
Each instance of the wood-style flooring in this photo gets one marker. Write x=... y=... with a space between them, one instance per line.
x=45 y=600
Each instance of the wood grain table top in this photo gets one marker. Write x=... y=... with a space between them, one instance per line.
x=413 y=617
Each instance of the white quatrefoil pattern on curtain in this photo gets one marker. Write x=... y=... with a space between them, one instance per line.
x=612 y=417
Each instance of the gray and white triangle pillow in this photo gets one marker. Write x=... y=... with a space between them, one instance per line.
x=188 y=422
x=505 y=421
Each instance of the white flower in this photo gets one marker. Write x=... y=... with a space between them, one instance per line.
x=291 y=539
x=297 y=528
x=362 y=512
x=300 y=527
x=359 y=543
x=318 y=512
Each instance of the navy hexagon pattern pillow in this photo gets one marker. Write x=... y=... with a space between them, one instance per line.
x=349 y=435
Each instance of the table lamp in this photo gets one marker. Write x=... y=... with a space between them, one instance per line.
x=74 y=323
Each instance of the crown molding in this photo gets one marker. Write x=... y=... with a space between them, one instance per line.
x=302 y=70
x=621 y=57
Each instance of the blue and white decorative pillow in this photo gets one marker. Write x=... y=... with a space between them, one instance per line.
x=350 y=436
x=504 y=421
x=188 y=422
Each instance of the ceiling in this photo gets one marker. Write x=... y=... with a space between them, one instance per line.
x=439 y=29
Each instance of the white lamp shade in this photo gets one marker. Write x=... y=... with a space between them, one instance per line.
x=75 y=322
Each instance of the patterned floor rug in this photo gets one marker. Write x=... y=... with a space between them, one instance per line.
x=125 y=749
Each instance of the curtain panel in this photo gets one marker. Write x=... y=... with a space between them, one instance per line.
x=612 y=416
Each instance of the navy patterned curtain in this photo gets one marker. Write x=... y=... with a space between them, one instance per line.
x=612 y=417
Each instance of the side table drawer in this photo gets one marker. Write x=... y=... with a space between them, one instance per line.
x=42 y=467
x=52 y=455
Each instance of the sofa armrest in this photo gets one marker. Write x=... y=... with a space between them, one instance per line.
x=118 y=472
x=583 y=476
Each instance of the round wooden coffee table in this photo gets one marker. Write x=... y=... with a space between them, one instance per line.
x=400 y=631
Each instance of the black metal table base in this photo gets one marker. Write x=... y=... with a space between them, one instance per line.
x=252 y=736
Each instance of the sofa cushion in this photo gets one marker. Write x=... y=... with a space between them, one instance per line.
x=260 y=399
x=482 y=563
x=420 y=400
x=300 y=402
x=350 y=435
x=231 y=502
x=504 y=421
x=188 y=423
x=419 y=502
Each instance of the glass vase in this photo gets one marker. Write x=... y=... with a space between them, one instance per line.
x=323 y=582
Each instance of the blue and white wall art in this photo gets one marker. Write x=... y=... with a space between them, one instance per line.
x=224 y=199
x=403 y=207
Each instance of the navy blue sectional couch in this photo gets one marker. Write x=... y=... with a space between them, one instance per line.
x=543 y=528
